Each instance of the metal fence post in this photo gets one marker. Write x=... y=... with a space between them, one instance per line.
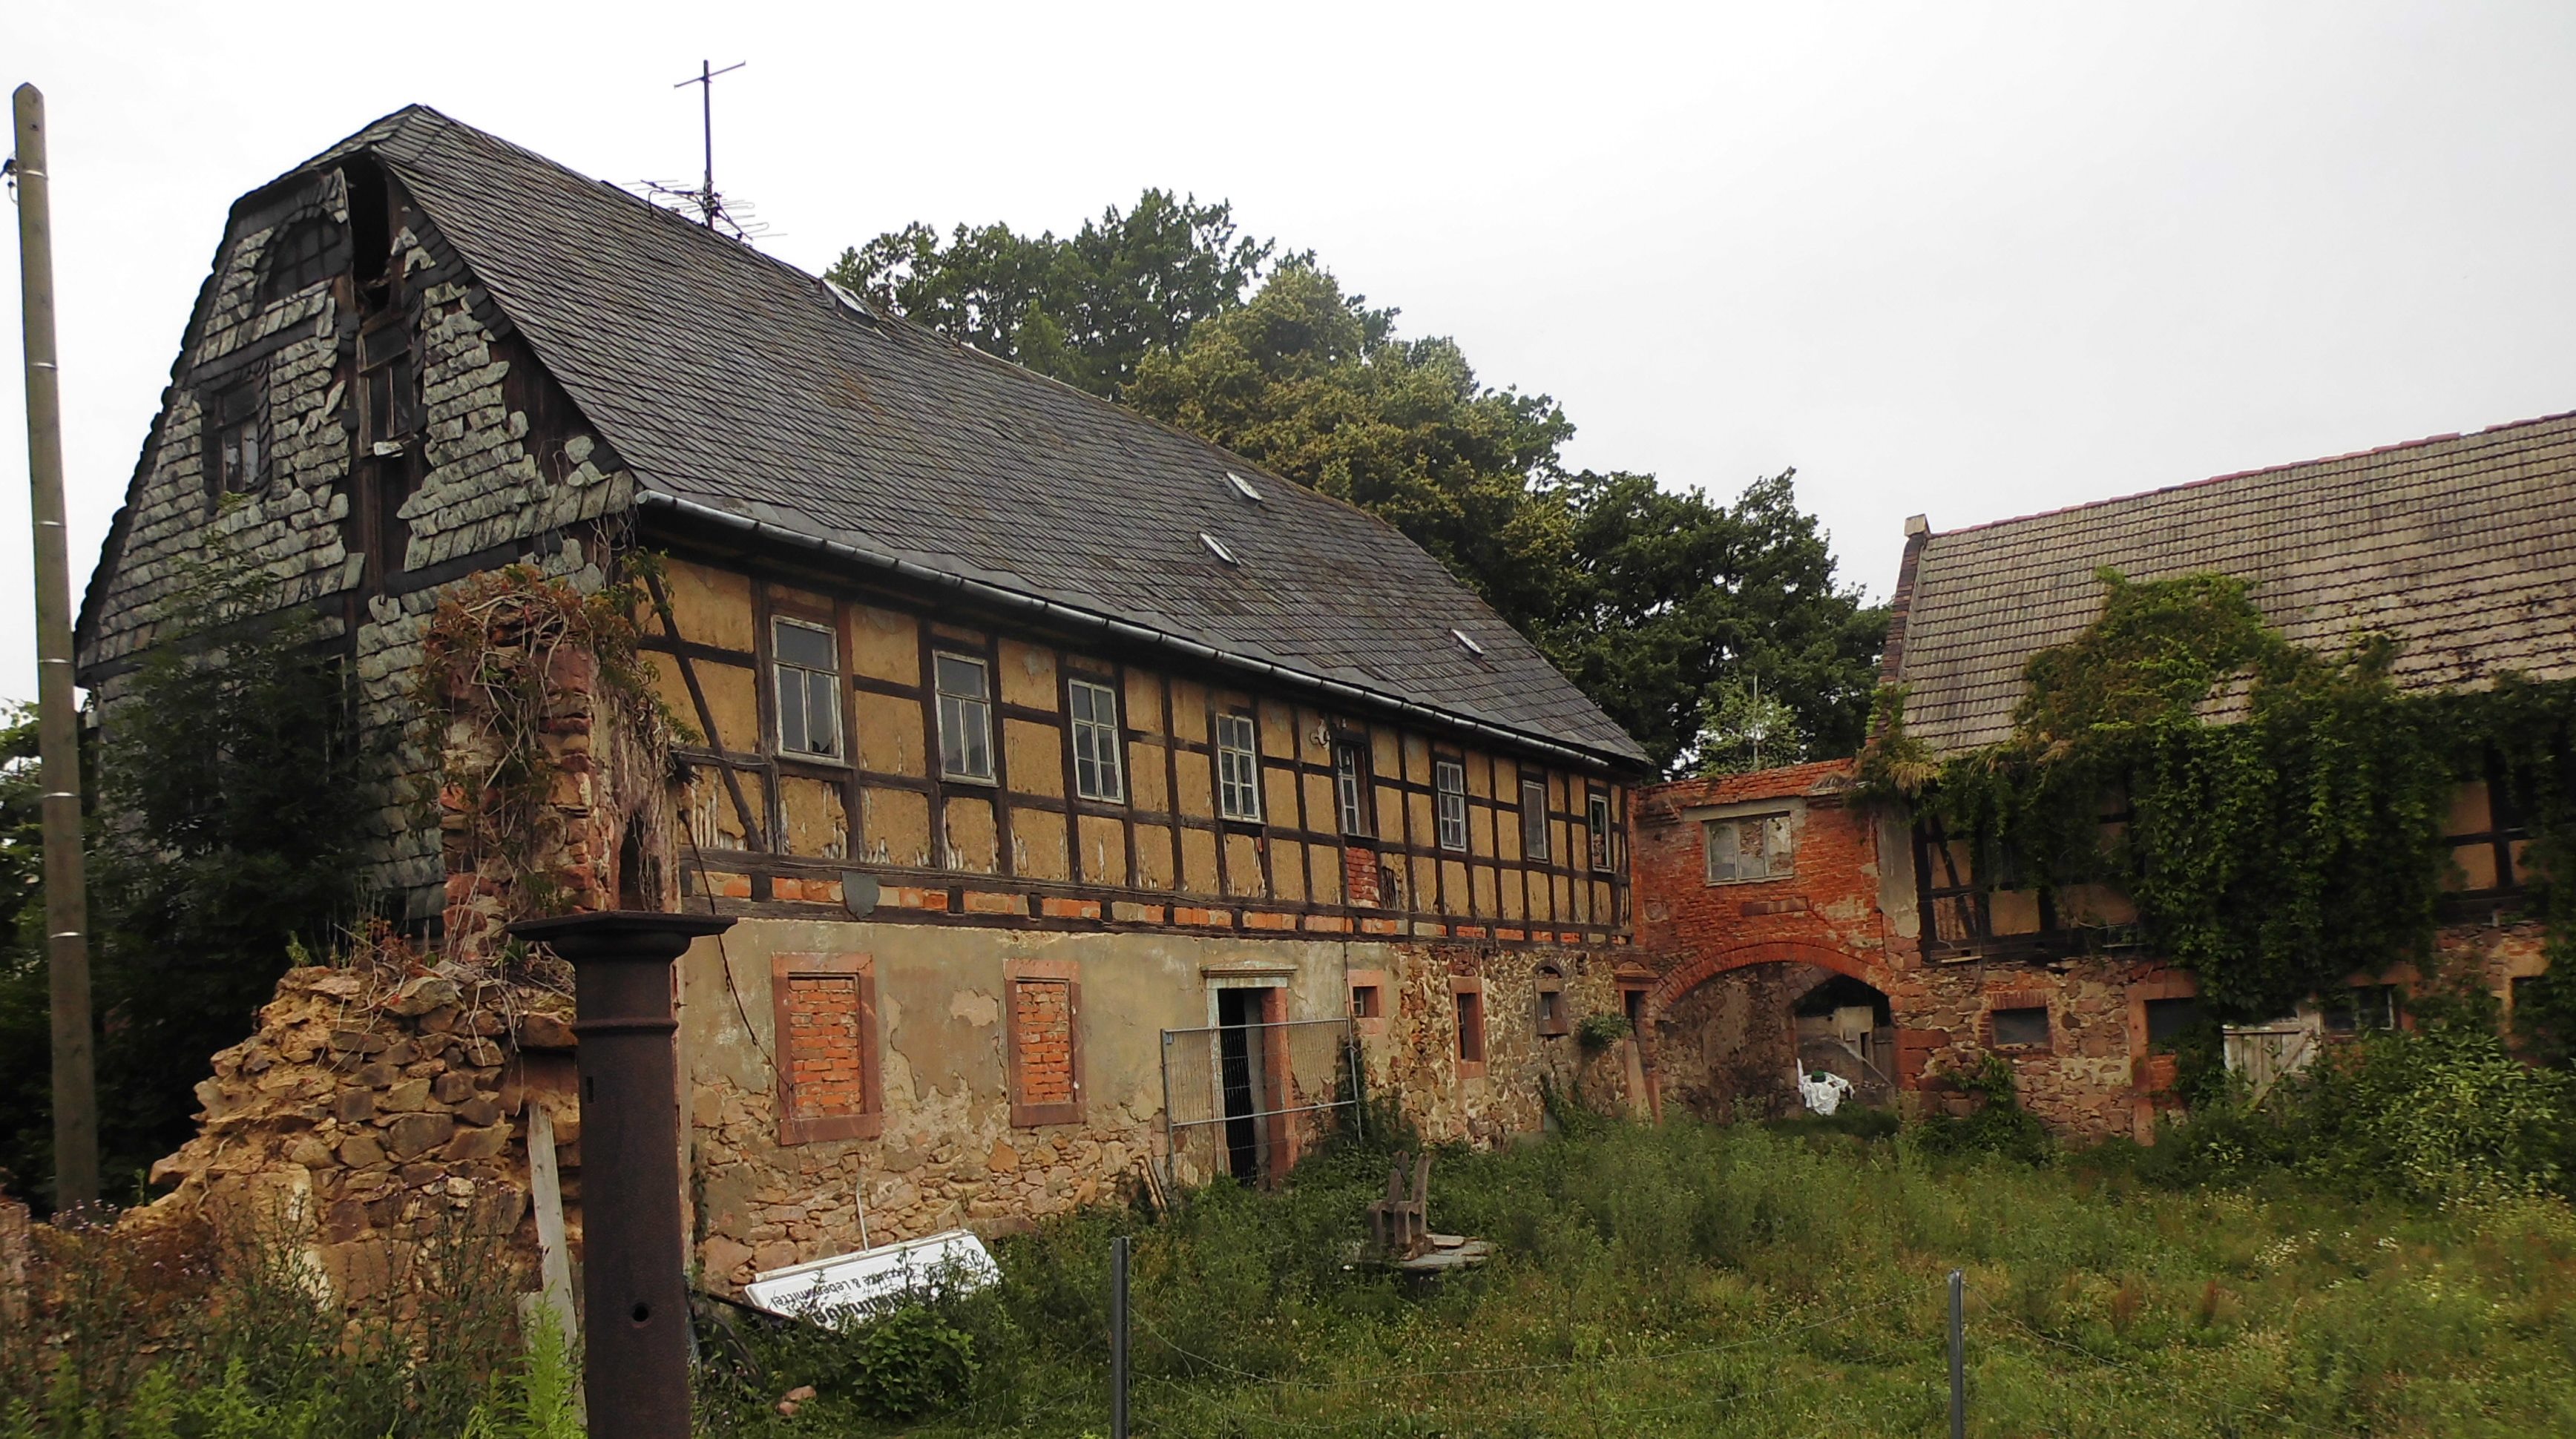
x=1118 y=1337
x=1958 y=1354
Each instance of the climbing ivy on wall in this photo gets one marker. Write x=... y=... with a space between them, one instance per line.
x=2275 y=813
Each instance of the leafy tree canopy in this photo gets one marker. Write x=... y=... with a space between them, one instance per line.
x=1659 y=604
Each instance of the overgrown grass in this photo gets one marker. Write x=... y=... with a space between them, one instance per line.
x=1762 y=1280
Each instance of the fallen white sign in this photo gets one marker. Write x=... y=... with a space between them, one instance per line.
x=866 y=1284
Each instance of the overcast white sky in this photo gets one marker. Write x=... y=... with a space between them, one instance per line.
x=1970 y=260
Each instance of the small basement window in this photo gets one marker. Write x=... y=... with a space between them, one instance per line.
x=1238 y=768
x=805 y=659
x=1449 y=784
x=965 y=718
x=2022 y=1028
x=1750 y=847
x=1096 y=747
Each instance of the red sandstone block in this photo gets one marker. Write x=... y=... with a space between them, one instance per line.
x=1329 y=923
x=1511 y=934
x=732 y=886
x=1129 y=913
x=1263 y=919
x=1069 y=908
x=1469 y=931
x=986 y=902
x=1378 y=926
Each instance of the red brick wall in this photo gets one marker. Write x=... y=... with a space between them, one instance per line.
x=824 y=1046
x=1830 y=901
x=1042 y=1025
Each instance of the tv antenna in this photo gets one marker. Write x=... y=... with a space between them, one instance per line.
x=710 y=204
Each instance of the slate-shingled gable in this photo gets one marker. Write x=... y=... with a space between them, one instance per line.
x=2463 y=547
x=729 y=380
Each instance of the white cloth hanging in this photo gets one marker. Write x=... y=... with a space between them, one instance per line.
x=1823 y=1092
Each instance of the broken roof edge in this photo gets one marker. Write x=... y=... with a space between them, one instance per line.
x=1072 y=616
x=2395 y=447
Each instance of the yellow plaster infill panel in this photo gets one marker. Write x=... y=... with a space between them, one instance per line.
x=1418 y=807
x=1198 y=862
x=1323 y=806
x=1326 y=862
x=1154 y=857
x=1422 y=886
x=885 y=645
x=673 y=690
x=1026 y=675
x=788 y=597
x=1037 y=844
x=1386 y=754
x=1243 y=867
x=816 y=824
x=1144 y=702
x=1190 y=710
x=890 y=734
x=1288 y=872
x=1388 y=811
x=972 y=843
x=1104 y=849
x=714 y=823
x=1511 y=895
x=1485 y=899
x=733 y=703
x=1198 y=795
x=898 y=828
x=1480 y=832
x=1454 y=892
x=1145 y=779
x=1314 y=736
x=1417 y=759
x=1279 y=794
x=1035 y=753
x=712 y=606
x=1480 y=775
x=1278 y=730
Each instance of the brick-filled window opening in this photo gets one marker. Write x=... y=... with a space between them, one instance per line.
x=1552 y=1016
x=1367 y=1002
x=2024 y=1028
x=1351 y=787
x=825 y=1009
x=2364 y=1006
x=1097 y=773
x=1238 y=768
x=805 y=662
x=1449 y=788
x=1471 y=1029
x=1596 y=813
x=965 y=717
x=1046 y=1053
x=1534 y=819
x=1749 y=847
x=236 y=444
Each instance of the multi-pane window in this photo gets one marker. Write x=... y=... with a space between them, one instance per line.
x=386 y=378
x=1533 y=819
x=965 y=718
x=1753 y=846
x=296 y=259
x=234 y=450
x=1350 y=786
x=1597 y=815
x=2363 y=1006
x=1096 y=772
x=1238 y=767
x=805 y=660
x=1449 y=792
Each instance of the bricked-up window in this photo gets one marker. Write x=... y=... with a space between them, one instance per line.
x=1533 y=819
x=965 y=718
x=2025 y=1027
x=1045 y=1043
x=1596 y=813
x=1096 y=771
x=1747 y=847
x=1467 y=997
x=1449 y=789
x=1552 y=1016
x=805 y=660
x=1238 y=767
x=825 y=1008
x=2363 y=1006
x=1351 y=786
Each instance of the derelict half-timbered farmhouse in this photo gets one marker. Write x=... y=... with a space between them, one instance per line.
x=1088 y=795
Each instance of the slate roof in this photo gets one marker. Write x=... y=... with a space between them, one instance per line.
x=732 y=381
x=2461 y=546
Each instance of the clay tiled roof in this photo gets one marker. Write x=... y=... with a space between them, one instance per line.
x=2462 y=546
x=743 y=386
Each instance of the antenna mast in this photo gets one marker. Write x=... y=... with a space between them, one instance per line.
x=708 y=204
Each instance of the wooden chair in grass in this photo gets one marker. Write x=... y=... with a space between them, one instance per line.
x=1400 y=1224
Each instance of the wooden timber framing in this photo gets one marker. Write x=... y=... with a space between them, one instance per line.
x=988 y=853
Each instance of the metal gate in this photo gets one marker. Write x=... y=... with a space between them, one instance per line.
x=1231 y=1092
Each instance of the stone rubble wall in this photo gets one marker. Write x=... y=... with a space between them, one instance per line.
x=370 y=1112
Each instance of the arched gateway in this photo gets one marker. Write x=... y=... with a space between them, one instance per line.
x=1724 y=1035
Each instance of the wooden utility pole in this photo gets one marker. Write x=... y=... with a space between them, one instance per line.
x=66 y=894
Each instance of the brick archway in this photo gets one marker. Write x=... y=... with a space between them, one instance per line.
x=1700 y=971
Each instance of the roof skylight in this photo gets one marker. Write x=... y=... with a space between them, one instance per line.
x=850 y=300
x=1243 y=487
x=1469 y=641
x=1217 y=548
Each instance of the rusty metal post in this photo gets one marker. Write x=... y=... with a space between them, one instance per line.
x=635 y=1349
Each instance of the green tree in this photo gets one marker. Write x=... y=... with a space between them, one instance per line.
x=1678 y=606
x=26 y=1025
x=1085 y=310
x=237 y=790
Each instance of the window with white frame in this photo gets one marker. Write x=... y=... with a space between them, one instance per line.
x=1096 y=747
x=1597 y=816
x=1238 y=768
x=1449 y=792
x=1350 y=786
x=965 y=718
x=1751 y=846
x=1533 y=818
x=805 y=665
